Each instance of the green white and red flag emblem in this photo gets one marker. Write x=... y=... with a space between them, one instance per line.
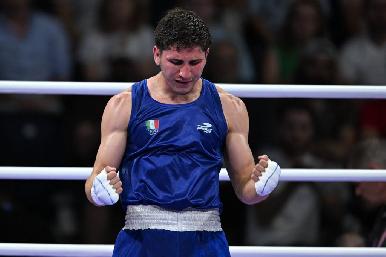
x=152 y=126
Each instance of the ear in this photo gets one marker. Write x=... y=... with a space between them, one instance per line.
x=157 y=55
x=206 y=53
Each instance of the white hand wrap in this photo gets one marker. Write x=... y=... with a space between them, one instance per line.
x=268 y=180
x=102 y=192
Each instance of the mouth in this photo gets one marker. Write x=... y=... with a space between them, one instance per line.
x=183 y=83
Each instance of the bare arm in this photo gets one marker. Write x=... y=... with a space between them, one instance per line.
x=113 y=140
x=241 y=166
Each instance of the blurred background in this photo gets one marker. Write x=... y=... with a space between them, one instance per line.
x=254 y=41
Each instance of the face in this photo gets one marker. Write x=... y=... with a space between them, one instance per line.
x=306 y=22
x=222 y=67
x=119 y=11
x=181 y=68
x=373 y=192
x=320 y=69
x=297 y=130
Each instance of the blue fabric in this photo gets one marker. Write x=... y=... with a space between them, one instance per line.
x=174 y=162
x=162 y=243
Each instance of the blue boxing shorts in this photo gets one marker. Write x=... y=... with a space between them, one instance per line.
x=151 y=231
x=164 y=243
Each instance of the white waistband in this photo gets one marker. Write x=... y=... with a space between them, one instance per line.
x=154 y=217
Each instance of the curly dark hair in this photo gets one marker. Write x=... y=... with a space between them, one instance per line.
x=182 y=29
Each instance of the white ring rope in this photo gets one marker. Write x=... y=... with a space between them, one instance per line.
x=78 y=250
x=241 y=90
x=321 y=175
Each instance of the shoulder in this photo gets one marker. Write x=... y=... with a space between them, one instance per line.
x=120 y=101
x=230 y=101
x=46 y=23
x=233 y=107
x=118 y=109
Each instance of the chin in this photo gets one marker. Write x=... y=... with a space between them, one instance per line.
x=183 y=91
x=183 y=88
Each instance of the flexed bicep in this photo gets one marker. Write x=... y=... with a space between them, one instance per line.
x=113 y=138
x=240 y=162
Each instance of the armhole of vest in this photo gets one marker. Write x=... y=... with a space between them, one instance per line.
x=217 y=101
x=135 y=88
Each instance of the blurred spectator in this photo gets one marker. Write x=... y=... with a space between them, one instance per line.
x=304 y=21
x=369 y=154
x=65 y=11
x=347 y=20
x=295 y=132
x=221 y=63
x=33 y=46
x=273 y=12
x=336 y=120
x=335 y=131
x=226 y=25
x=350 y=239
x=259 y=40
x=117 y=48
x=373 y=119
x=363 y=61
x=318 y=64
x=291 y=215
x=86 y=13
x=363 y=58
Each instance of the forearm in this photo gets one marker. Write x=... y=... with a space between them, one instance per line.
x=247 y=193
x=262 y=181
x=240 y=171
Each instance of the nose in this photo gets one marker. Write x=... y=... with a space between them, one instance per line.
x=185 y=71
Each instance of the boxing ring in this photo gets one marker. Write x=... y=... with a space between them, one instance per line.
x=244 y=90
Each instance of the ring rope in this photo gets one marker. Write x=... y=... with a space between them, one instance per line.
x=81 y=173
x=83 y=250
x=241 y=90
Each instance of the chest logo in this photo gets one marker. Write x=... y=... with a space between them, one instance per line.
x=206 y=127
x=152 y=126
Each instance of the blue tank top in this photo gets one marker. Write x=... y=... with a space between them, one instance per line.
x=174 y=153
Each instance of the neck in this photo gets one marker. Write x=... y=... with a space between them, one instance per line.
x=164 y=93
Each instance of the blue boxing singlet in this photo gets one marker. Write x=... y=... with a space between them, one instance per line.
x=174 y=153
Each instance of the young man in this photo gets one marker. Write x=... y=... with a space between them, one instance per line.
x=371 y=154
x=167 y=135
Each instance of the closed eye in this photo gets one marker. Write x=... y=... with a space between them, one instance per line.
x=176 y=62
x=180 y=62
x=194 y=62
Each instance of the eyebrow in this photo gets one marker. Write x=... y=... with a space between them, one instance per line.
x=181 y=61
